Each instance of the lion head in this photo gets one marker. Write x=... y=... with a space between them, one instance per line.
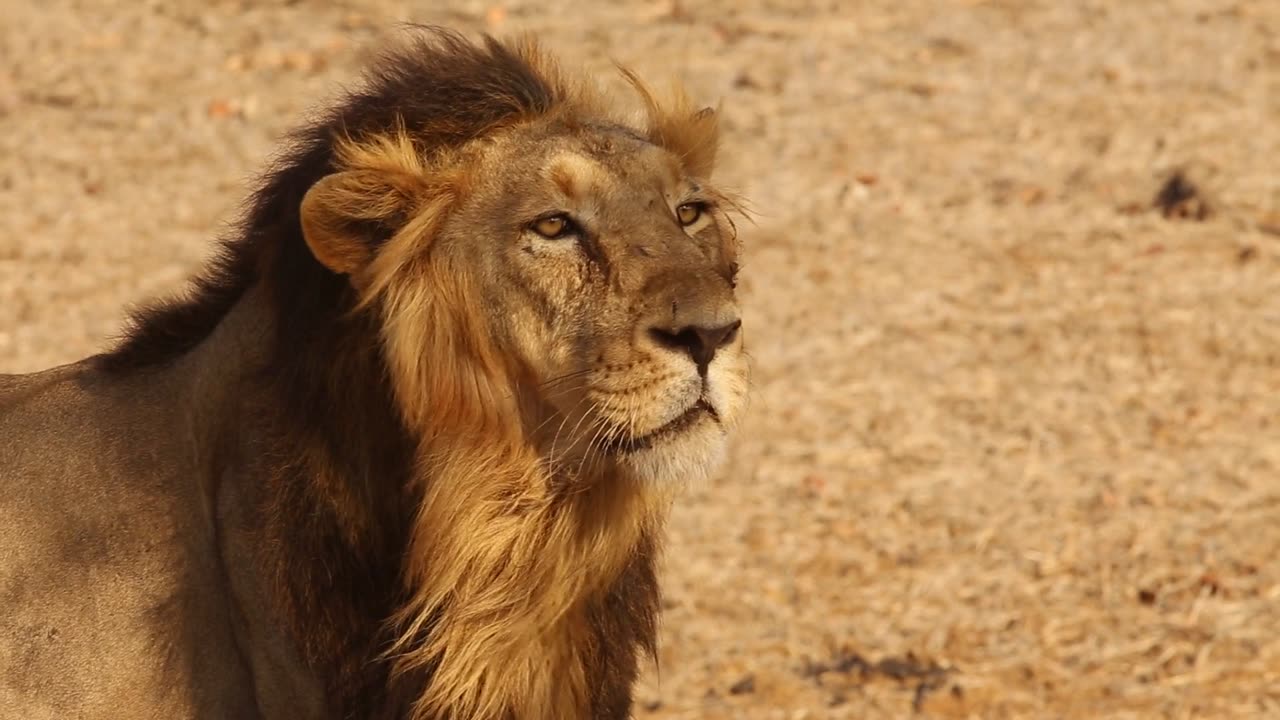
x=593 y=263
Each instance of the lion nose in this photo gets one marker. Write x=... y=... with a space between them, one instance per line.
x=700 y=342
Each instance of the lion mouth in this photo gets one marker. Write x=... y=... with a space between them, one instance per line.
x=682 y=422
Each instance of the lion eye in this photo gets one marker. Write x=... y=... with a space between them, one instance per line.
x=689 y=213
x=553 y=227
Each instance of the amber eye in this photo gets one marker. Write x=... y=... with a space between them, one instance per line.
x=552 y=227
x=689 y=213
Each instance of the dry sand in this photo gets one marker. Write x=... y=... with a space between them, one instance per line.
x=1015 y=444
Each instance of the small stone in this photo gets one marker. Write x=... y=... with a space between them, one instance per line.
x=221 y=109
x=354 y=21
x=1032 y=195
x=302 y=60
x=1270 y=223
x=1180 y=198
x=745 y=686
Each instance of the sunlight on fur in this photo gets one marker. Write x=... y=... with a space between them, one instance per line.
x=517 y=529
x=480 y=331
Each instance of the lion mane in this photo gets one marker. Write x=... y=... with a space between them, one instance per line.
x=420 y=551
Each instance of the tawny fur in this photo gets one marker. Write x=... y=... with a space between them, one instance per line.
x=395 y=529
x=499 y=563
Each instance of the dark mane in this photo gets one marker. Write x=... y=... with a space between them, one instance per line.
x=444 y=88
x=328 y=451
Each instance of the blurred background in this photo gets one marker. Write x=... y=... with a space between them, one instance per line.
x=1013 y=298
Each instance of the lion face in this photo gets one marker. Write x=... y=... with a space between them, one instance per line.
x=609 y=271
x=578 y=275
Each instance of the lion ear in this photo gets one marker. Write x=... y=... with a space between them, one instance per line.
x=346 y=215
x=701 y=137
x=693 y=135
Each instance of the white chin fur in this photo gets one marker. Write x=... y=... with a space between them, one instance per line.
x=692 y=456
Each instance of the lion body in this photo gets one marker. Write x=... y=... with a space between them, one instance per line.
x=406 y=449
x=115 y=518
x=85 y=588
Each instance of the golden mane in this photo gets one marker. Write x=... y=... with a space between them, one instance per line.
x=421 y=548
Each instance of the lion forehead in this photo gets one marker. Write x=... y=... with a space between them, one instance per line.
x=576 y=175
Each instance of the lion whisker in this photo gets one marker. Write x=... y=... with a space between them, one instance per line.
x=552 y=416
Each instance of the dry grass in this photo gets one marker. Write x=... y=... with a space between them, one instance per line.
x=1015 y=449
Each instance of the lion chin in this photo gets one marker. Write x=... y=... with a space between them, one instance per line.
x=690 y=447
x=691 y=455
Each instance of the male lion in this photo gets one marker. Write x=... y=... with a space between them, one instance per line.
x=406 y=449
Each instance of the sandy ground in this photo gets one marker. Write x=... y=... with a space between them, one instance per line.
x=1015 y=443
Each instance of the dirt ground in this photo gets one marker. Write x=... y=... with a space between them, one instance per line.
x=1015 y=442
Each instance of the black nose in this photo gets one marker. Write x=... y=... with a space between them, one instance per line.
x=700 y=342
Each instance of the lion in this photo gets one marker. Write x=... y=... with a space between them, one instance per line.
x=406 y=446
